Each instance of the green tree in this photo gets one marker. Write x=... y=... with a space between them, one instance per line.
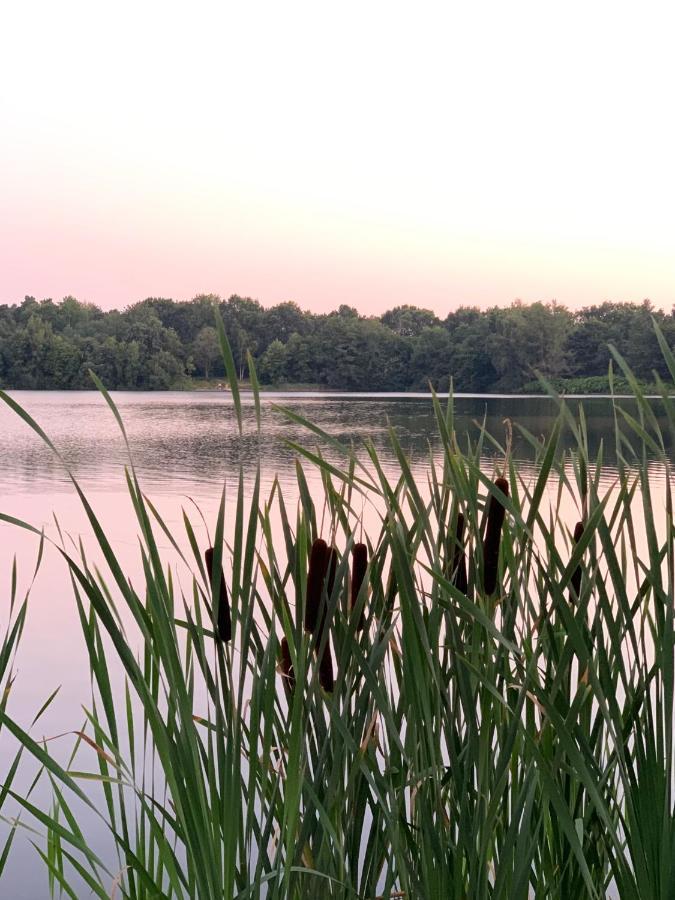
x=471 y=364
x=285 y=319
x=272 y=367
x=300 y=361
x=431 y=359
x=409 y=321
x=206 y=349
x=526 y=340
x=152 y=344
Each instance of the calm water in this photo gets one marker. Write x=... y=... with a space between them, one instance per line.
x=185 y=446
x=188 y=443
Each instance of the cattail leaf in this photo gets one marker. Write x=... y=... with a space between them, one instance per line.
x=459 y=578
x=230 y=368
x=255 y=386
x=331 y=570
x=359 y=568
x=575 y=580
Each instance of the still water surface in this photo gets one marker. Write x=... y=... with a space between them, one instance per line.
x=184 y=446
x=188 y=442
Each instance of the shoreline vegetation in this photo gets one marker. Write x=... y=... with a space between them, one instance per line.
x=472 y=697
x=161 y=344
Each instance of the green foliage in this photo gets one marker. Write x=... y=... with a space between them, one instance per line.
x=593 y=384
x=273 y=363
x=206 y=350
x=409 y=321
x=159 y=343
x=530 y=339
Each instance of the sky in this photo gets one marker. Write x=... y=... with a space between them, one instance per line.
x=368 y=153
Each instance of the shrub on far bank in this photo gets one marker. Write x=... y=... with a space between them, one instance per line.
x=594 y=384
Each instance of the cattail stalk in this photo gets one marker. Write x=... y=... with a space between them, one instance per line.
x=221 y=612
x=575 y=581
x=493 y=536
x=359 y=566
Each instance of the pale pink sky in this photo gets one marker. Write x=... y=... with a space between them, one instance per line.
x=364 y=153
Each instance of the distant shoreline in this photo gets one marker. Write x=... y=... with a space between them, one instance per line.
x=312 y=391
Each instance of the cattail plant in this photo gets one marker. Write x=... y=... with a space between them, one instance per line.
x=575 y=581
x=493 y=536
x=221 y=612
x=316 y=574
x=359 y=566
x=286 y=664
x=459 y=578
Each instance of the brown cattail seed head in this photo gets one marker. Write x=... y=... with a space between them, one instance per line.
x=318 y=564
x=493 y=536
x=575 y=581
x=359 y=566
x=326 y=679
x=221 y=612
x=331 y=567
x=459 y=579
x=286 y=664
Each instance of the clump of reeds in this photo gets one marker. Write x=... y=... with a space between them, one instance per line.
x=493 y=536
x=221 y=612
x=575 y=581
x=359 y=567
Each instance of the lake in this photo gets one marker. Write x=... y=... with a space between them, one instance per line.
x=184 y=446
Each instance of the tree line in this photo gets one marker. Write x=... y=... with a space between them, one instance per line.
x=160 y=344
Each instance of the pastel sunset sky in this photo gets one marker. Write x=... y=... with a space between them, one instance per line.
x=356 y=152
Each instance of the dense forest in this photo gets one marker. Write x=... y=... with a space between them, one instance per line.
x=159 y=344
